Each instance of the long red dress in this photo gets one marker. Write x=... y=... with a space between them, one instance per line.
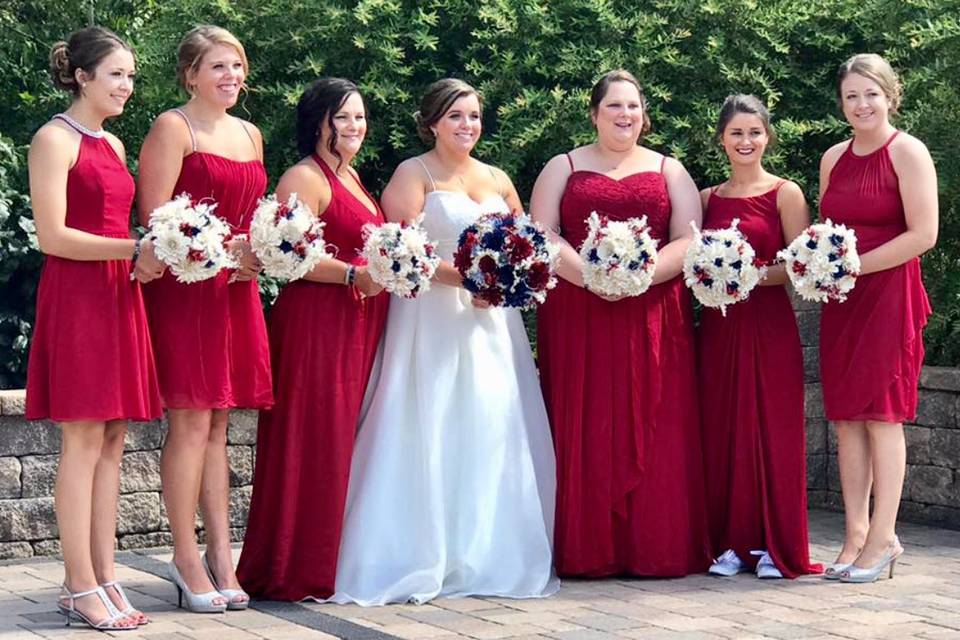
x=323 y=339
x=90 y=357
x=210 y=337
x=620 y=387
x=751 y=395
x=871 y=346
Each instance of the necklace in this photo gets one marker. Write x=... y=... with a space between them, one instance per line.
x=99 y=133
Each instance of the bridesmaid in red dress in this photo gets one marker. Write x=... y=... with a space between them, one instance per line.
x=91 y=364
x=210 y=337
x=324 y=332
x=618 y=375
x=751 y=370
x=883 y=185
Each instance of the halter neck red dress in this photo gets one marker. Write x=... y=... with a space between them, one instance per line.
x=90 y=356
x=620 y=387
x=210 y=337
x=323 y=339
x=871 y=346
x=751 y=394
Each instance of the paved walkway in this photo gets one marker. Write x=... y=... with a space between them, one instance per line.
x=923 y=601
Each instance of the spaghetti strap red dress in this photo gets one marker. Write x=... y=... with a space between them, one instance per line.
x=751 y=394
x=620 y=387
x=210 y=337
x=323 y=338
x=871 y=346
x=90 y=356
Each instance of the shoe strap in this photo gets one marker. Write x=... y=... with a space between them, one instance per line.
x=127 y=607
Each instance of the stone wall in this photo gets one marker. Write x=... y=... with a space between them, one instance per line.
x=931 y=492
x=28 y=466
x=28 y=462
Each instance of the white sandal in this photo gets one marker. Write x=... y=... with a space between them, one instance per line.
x=111 y=623
x=128 y=610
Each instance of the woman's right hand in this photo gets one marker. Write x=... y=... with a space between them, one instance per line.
x=148 y=266
x=363 y=281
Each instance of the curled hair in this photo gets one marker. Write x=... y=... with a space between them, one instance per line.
x=197 y=43
x=874 y=67
x=599 y=92
x=83 y=50
x=743 y=103
x=436 y=101
x=320 y=102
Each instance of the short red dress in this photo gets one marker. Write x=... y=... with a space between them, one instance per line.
x=620 y=388
x=90 y=356
x=324 y=338
x=210 y=337
x=871 y=346
x=751 y=395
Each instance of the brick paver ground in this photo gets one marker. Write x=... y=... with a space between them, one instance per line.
x=922 y=601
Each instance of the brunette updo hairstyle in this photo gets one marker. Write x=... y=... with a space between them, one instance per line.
x=321 y=100
x=197 y=43
x=437 y=100
x=600 y=89
x=83 y=50
x=743 y=103
x=874 y=67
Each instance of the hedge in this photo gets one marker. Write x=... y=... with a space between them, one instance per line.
x=534 y=62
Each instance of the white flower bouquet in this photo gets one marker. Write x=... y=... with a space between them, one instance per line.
x=619 y=256
x=190 y=239
x=822 y=262
x=286 y=237
x=400 y=257
x=720 y=266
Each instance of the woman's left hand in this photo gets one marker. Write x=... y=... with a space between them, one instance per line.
x=248 y=264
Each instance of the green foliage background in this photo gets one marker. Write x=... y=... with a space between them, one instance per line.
x=534 y=61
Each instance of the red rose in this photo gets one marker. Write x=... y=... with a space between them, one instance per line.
x=487 y=264
x=521 y=249
x=539 y=276
x=462 y=260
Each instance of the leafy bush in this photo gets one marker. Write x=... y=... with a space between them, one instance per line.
x=534 y=63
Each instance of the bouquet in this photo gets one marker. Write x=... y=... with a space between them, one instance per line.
x=822 y=262
x=720 y=266
x=286 y=237
x=619 y=256
x=399 y=257
x=505 y=259
x=190 y=239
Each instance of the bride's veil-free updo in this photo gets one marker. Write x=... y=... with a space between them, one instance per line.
x=436 y=101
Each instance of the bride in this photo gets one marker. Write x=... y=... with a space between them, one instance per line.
x=453 y=476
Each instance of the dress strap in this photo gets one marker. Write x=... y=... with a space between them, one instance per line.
x=256 y=149
x=79 y=128
x=433 y=184
x=570 y=160
x=193 y=136
x=496 y=181
x=663 y=162
x=890 y=139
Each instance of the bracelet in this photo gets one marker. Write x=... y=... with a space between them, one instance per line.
x=350 y=275
x=136 y=250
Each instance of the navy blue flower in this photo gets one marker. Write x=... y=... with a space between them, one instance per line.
x=286 y=247
x=593 y=256
x=506 y=276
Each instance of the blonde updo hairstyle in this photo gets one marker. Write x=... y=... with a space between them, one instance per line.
x=437 y=100
x=599 y=92
x=874 y=67
x=196 y=44
x=82 y=51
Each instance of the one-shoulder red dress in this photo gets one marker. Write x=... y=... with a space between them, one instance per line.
x=751 y=394
x=90 y=357
x=323 y=338
x=871 y=345
x=210 y=337
x=620 y=387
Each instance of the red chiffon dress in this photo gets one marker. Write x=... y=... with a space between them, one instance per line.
x=210 y=337
x=90 y=357
x=620 y=387
x=323 y=338
x=751 y=395
x=871 y=346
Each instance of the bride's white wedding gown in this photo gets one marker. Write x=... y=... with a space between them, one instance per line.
x=452 y=484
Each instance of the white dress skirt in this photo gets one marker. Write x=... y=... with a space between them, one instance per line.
x=453 y=479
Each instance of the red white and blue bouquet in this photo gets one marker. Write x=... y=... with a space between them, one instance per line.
x=619 y=256
x=190 y=239
x=286 y=237
x=721 y=267
x=822 y=262
x=400 y=257
x=506 y=260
